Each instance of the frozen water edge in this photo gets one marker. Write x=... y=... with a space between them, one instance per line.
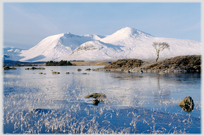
x=96 y=120
x=48 y=103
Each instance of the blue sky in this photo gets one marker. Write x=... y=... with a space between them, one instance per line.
x=26 y=24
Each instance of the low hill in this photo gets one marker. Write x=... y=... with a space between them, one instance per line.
x=189 y=63
x=125 y=64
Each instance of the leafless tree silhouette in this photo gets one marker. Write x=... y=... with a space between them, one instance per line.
x=160 y=47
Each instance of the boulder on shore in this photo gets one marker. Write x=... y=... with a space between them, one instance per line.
x=187 y=104
x=33 y=68
x=98 y=96
x=7 y=68
x=88 y=69
x=41 y=68
x=95 y=102
x=55 y=72
x=95 y=69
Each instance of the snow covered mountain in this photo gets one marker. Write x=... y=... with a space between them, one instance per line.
x=124 y=43
x=11 y=53
x=132 y=43
x=56 y=46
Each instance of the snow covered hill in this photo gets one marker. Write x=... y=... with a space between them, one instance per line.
x=132 y=43
x=56 y=46
x=11 y=53
x=124 y=43
x=95 y=50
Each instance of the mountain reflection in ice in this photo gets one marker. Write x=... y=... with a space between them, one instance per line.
x=136 y=103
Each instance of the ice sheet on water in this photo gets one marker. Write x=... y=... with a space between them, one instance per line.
x=76 y=120
x=12 y=76
x=144 y=105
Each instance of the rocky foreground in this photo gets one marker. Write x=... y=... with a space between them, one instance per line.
x=190 y=64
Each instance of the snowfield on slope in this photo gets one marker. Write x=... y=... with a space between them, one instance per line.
x=11 y=53
x=132 y=43
x=56 y=46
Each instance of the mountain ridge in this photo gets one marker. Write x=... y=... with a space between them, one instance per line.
x=124 y=43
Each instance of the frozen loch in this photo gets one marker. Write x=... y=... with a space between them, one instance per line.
x=136 y=103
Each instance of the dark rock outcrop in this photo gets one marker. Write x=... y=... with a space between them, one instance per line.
x=187 y=104
x=88 y=69
x=125 y=64
x=95 y=69
x=190 y=63
x=7 y=68
x=55 y=72
x=95 y=102
x=34 y=68
x=41 y=68
x=99 y=97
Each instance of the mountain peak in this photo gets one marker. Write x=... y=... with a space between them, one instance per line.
x=128 y=31
x=126 y=34
x=68 y=34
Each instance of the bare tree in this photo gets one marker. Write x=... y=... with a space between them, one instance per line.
x=160 y=47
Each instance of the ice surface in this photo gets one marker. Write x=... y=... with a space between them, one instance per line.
x=136 y=103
